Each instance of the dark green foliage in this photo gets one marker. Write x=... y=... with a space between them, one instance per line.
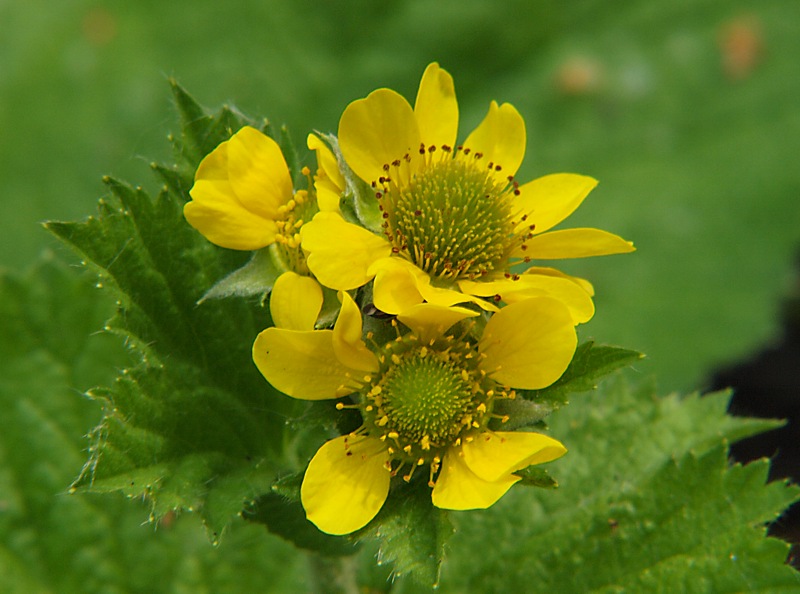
x=589 y=364
x=53 y=542
x=647 y=502
x=192 y=424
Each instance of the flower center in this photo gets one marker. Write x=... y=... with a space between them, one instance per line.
x=453 y=218
x=298 y=211
x=427 y=397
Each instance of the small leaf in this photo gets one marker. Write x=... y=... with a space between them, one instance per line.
x=589 y=364
x=289 y=153
x=254 y=278
x=536 y=476
x=411 y=533
x=287 y=519
x=358 y=204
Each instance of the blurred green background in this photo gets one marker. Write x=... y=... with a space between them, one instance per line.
x=687 y=112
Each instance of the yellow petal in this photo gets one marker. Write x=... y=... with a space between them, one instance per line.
x=547 y=271
x=493 y=456
x=501 y=138
x=458 y=488
x=258 y=173
x=550 y=199
x=295 y=301
x=328 y=182
x=574 y=243
x=347 y=343
x=326 y=160
x=214 y=166
x=563 y=288
x=429 y=321
x=216 y=213
x=528 y=344
x=436 y=107
x=346 y=484
x=340 y=253
x=303 y=364
x=400 y=285
x=396 y=287
x=377 y=130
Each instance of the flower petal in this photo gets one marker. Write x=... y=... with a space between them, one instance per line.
x=396 y=285
x=340 y=253
x=575 y=243
x=214 y=165
x=295 y=301
x=493 y=456
x=429 y=321
x=547 y=271
x=346 y=484
x=458 y=488
x=400 y=285
x=564 y=288
x=377 y=130
x=436 y=107
x=347 y=343
x=258 y=172
x=528 y=344
x=550 y=199
x=328 y=183
x=501 y=138
x=303 y=364
x=216 y=213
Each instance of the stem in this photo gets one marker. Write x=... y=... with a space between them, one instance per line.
x=332 y=575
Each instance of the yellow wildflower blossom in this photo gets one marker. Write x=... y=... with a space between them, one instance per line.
x=243 y=199
x=454 y=217
x=426 y=399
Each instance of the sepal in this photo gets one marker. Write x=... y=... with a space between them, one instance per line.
x=254 y=278
x=358 y=204
x=589 y=365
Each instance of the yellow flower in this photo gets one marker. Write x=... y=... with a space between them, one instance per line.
x=243 y=199
x=426 y=399
x=454 y=217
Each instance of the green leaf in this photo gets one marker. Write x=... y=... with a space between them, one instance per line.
x=282 y=513
x=53 y=542
x=191 y=425
x=411 y=533
x=287 y=518
x=647 y=502
x=255 y=278
x=358 y=204
x=536 y=476
x=589 y=364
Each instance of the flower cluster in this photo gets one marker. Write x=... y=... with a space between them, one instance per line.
x=442 y=313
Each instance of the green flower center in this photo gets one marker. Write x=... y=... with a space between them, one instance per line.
x=453 y=218
x=427 y=397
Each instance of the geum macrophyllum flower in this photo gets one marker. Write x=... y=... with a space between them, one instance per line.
x=426 y=399
x=454 y=217
x=243 y=199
